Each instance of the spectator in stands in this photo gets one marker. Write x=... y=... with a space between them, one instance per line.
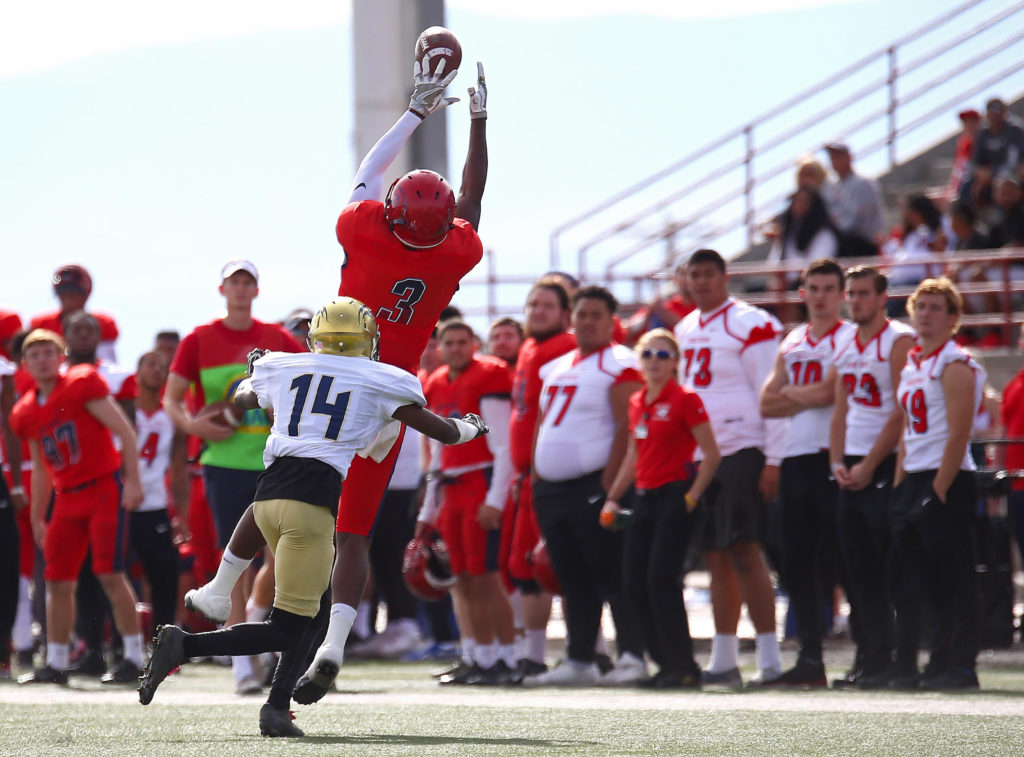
x=807 y=233
x=666 y=423
x=504 y=340
x=997 y=152
x=923 y=236
x=959 y=179
x=1009 y=198
x=810 y=174
x=854 y=204
x=664 y=312
x=72 y=284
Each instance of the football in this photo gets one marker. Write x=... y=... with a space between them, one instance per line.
x=222 y=413
x=436 y=44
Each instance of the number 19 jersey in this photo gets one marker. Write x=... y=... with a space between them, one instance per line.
x=328 y=407
x=406 y=289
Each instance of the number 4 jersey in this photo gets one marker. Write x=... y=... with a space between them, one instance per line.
x=406 y=289
x=923 y=400
x=76 y=447
x=328 y=407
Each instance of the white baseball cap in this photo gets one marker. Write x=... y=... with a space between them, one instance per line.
x=238 y=264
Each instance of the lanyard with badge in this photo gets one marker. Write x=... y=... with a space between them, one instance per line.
x=640 y=432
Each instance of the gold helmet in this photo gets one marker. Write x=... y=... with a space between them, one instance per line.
x=344 y=327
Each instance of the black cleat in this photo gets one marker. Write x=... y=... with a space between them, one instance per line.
x=278 y=723
x=312 y=689
x=958 y=679
x=168 y=653
x=23 y=658
x=527 y=667
x=803 y=675
x=604 y=663
x=499 y=674
x=45 y=674
x=456 y=667
x=851 y=680
x=672 y=679
x=89 y=663
x=125 y=671
x=461 y=676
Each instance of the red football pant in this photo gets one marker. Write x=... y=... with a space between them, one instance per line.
x=525 y=534
x=363 y=490
x=89 y=517
x=470 y=549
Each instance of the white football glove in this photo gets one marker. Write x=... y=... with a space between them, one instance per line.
x=471 y=426
x=428 y=90
x=478 y=96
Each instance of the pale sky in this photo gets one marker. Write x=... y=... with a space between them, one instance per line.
x=151 y=143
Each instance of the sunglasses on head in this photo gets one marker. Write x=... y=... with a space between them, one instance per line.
x=660 y=354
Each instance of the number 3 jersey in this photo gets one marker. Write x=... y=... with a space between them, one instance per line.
x=76 y=448
x=807 y=361
x=406 y=289
x=328 y=407
x=725 y=357
x=576 y=431
x=923 y=399
x=865 y=370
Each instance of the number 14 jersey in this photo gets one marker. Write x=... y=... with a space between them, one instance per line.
x=328 y=407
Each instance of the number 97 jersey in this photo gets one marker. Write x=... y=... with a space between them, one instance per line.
x=328 y=407
x=406 y=289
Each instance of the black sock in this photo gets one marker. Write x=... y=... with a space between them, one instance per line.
x=294 y=661
x=279 y=632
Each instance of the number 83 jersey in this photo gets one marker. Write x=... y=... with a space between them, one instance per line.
x=328 y=407
x=406 y=289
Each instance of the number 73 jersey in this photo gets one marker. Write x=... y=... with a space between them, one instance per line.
x=406 y=289
x=328 y=407
x=923 y=400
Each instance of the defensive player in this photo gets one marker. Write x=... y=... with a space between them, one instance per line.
x=68 y=420
x=797 y=389
x=940 y=390
x=328 y=405
x=475 y=481
x=581 y=440
x=863 y=435
x=548 y=337
x=728 y=349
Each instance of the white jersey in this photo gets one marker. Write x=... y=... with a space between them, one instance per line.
x=329 y=407
x=924 y=402
x=577 y=429
x=155 y=432
x=807 y=361
x=725 y=357
x=865 y=371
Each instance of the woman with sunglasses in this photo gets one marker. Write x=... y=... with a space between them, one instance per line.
x=666 y=424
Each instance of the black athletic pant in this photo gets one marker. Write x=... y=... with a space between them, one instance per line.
x=151 y=539
x=656 y=542
x=933 y=542
x=808 y=496
x=864 y=537
x=587 y=560
x=92 y=608
x=396 y=523
x=439 y=619
x=8 y=570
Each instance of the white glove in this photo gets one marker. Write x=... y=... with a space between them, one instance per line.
x=428 y=90
x=478 y=96
x=471 y=426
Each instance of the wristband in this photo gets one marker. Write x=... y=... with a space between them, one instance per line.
x=836 y=466
x=690 y=504
x=18 y=490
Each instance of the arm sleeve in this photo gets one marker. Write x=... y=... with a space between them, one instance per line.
x=496 y=413
x=431 y=500
x=369 y=181
x=758 y=360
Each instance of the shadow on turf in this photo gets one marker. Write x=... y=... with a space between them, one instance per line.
x=402 y=739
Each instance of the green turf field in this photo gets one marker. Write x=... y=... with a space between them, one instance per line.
x=396 y=709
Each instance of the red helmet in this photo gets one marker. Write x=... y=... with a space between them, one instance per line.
x=420 y=209
x=425 y=567
x=72 y=277
x=543 y=570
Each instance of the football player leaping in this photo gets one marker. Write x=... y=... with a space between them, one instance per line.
x=404 y=258
x=328 y=405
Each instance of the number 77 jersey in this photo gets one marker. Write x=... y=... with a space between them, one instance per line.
x=406 y=289
x=328 y=407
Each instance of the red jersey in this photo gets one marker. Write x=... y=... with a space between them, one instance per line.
x=406 y=289
x=1012 y=411
x=661 y=431
x=10 y=324
x=52 y=321
x=75 y=446
x=526 y=393
x=485 y=377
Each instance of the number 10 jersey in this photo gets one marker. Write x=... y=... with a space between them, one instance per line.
x=329 y=407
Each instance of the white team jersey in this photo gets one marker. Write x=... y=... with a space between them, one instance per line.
x=807 y=362
x=865 y=371
x=725 y=357
x=155 y=433
x=113 y=374
x=576 y=432
x=924 y=402
x=329 y=407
